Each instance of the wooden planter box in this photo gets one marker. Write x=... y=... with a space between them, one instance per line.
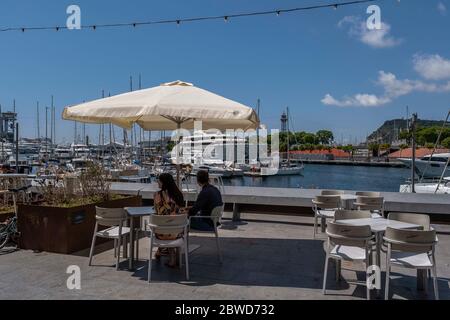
x=5 y=216
x=62 y=230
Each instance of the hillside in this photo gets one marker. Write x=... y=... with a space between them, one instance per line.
x=388 y=132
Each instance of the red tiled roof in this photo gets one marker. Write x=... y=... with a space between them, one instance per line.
x=420 y=152
x=335 y=152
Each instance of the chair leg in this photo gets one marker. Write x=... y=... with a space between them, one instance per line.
x=435 y=283
x=338 y=269
x=125 y=243
x=315 y=226
x=323 y=224
x=186 y=258
x=180 y=256
x=137 y=245
x=219 y=253
x=367 y=266
x=118 y=251
x=91 y=253
x=386 y=286
x=325 y=275
x=150 y=253
x=115 y=248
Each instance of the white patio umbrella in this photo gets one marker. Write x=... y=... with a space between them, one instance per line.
x=170 y=106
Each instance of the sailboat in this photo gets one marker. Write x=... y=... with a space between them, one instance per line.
x=285 y=168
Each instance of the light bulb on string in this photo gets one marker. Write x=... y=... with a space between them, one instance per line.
x=225 y=18
x=278 y=13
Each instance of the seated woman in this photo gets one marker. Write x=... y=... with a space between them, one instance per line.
x=168 y=201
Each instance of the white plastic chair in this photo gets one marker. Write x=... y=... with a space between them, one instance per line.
x=215 y=217
x=374 y=204
x=169 y=225
x=114 y=218
x=324 y=208
x=331 y=192
x=414 y=218
x=368 y=193
x=216 y=180
x=413 y=249
x=352 y=214
x=348 y=243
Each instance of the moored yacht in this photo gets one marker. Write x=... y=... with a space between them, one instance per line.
x=429 y=166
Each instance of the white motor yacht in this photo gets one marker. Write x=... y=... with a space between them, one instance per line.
x=429 y=166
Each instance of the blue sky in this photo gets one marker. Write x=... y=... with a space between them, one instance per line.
x=330 y=71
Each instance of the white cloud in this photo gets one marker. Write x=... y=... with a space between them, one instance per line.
x=373 y=38
x=442 y=8
x=392 y=88
x=358 y=100
x=432 y=67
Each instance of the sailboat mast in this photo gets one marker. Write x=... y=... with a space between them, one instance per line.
x=38 y=124
x=51 y=121
x=288 y=146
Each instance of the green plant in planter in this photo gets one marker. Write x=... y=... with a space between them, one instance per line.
x=68 y=190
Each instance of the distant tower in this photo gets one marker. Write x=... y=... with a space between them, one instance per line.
x=284 y=122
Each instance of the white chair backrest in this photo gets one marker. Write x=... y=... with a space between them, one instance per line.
x=331 y=192
x=414 y=218
x=352 y=214
x=368 y=193
x=370 y=203
x=410 y=240
x=216 y=180
x=168 y=224
x=110 y=216
x=216 y=214
x=342 y=234
x=327 y=202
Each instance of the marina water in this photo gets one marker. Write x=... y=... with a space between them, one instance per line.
x=344 y=177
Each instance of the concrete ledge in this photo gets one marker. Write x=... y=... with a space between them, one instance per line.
x=293 y=197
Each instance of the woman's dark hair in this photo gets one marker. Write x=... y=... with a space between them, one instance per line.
x=202 y=176
x=168 y=184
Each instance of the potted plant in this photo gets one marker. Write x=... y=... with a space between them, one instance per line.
x=63 y=219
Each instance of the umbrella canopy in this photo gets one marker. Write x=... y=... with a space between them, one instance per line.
x=166 y=107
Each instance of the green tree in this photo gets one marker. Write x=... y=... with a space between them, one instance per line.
x=324 y=136
x=374 y=148
x=427 y=135
x=446 y=143
x=310 y=138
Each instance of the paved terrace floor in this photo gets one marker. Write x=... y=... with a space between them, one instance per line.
x=271 y=259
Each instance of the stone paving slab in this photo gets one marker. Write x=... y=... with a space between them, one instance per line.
x=262 y=260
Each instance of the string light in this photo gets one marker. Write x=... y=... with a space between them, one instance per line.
x=197 y=19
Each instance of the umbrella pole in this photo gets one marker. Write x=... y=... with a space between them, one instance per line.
x=178 y=154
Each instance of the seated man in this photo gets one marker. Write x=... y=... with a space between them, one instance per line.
x=208 y=198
